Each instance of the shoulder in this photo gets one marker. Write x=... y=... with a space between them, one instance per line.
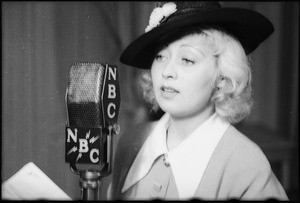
x=239 y=169
x=249 y=173
x=242 y=163
x=242 y=153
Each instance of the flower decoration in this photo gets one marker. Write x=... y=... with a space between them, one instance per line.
x=159 y=14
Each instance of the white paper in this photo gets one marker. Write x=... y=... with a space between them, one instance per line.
x=30 y=183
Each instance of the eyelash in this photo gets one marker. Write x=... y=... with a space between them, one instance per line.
x=159 y=57
x=188 y=61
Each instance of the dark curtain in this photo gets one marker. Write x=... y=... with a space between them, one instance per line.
x=41 y=40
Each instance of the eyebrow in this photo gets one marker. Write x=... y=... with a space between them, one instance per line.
x=191 y=46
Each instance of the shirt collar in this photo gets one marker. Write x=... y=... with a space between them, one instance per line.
x=188 y=160
x=154 y=146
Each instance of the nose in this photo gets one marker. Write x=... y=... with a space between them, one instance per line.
x=169 y=70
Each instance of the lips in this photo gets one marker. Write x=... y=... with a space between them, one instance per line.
x=169 y=90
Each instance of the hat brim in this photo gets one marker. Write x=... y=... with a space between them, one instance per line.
x=249 y=27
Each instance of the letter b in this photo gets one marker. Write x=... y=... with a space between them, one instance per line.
x=83 y=146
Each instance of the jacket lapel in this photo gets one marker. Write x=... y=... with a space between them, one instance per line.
x=128 y=147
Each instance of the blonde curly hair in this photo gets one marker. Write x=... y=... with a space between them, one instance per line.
x=232 y=97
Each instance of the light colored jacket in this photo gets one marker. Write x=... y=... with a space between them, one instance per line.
x=238 y=169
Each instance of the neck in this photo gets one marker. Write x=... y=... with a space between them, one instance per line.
x=181 y=127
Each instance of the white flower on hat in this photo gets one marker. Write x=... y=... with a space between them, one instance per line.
x=159 y=13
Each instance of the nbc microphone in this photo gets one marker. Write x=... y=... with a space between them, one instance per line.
x=92 y=101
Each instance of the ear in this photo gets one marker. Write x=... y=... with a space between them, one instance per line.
x=224 y=84
x=220 y=83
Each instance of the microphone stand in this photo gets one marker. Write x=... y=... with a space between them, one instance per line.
x=90 y=185
x=90 y=179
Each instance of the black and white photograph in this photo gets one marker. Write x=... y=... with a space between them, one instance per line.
x=146 y=100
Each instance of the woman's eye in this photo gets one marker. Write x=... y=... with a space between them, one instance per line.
x=159 y=57
x=187 y=61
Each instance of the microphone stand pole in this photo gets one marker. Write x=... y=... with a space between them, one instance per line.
x=90 y=185
x=90 y=180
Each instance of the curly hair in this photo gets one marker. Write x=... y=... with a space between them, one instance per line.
x=232 y=96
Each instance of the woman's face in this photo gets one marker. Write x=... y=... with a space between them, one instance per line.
x=183 y=75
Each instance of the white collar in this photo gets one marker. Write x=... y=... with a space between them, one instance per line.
x=188 y=160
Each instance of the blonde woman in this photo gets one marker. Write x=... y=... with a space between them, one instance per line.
x=199 y=75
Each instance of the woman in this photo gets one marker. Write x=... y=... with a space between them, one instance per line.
x=199 y=75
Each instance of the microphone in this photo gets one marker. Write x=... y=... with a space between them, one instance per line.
x=92 y=104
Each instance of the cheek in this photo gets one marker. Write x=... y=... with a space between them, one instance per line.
x=155 y=75
x=203 y=83
x=206 y=82
x=201 y=89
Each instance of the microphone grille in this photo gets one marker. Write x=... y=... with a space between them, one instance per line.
x=84 y=95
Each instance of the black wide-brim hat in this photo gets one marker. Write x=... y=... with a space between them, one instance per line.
x=249 y=27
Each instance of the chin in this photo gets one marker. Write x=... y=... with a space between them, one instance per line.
x=183 y=111
x=175 y=111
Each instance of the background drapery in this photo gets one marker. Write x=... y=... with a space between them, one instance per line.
x=41 y=40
